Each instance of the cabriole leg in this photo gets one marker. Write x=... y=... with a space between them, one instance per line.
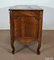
x=12 y=45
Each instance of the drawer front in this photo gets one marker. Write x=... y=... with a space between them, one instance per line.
x=26 y=13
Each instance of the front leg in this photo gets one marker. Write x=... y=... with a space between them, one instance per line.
x=38 y=48
x=12 y=45
x=40 y=32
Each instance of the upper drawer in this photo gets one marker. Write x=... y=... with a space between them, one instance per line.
x=26 y=13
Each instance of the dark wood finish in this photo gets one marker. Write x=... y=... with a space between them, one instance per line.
x=26 y=26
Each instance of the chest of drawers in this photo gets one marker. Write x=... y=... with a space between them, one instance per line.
x=26 y=24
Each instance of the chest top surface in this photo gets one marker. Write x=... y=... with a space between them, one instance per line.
x=25 y=7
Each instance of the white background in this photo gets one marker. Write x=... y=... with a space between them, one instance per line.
x=47 y=5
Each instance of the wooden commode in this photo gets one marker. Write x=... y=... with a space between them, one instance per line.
x=26 y=24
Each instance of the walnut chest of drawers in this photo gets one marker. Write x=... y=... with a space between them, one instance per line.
x=26 y=24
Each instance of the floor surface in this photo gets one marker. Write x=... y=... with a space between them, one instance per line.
x=47 y=49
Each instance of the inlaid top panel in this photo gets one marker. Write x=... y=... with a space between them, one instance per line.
x=25 y=7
